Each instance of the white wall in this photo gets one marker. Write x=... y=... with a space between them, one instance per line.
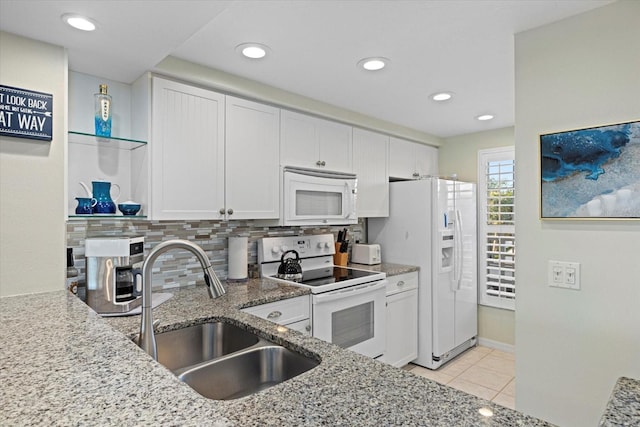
x=459 y=155
x=573 y=345
x=32 y=175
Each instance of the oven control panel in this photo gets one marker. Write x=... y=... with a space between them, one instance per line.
x=270 y=249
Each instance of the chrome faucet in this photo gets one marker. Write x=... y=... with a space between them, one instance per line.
x=147 y=338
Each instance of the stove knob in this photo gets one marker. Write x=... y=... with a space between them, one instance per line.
x=320 y=245
x=285 y=248
x=275 y=250
x=327 y=245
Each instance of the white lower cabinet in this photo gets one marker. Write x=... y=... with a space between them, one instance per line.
x=294 y=313
x=402 y=320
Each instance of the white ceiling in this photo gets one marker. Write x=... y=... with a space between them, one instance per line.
x=463 y=46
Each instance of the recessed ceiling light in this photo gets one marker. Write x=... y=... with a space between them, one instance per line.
x=373 y=64
x=253 y=50
x=484 y=117
x=79 y=22
x=442 y=96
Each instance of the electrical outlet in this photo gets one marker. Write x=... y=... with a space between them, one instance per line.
x=564 y=274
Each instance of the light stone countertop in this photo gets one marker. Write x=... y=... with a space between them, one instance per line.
x=388 y=268
x=62 y=364
x=623 y=408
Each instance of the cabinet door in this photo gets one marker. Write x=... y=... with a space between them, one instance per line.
x=335 y=145
x=371 y=166
x=187 y=152
x=298 y=143
x=426 y=160
x=251 y=160
x=402 y=163
x=402 y=328
x=311 y=142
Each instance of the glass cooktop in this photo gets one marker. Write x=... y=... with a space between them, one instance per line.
x=327 y=275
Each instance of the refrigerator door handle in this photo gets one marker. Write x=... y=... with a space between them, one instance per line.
x=457 y=250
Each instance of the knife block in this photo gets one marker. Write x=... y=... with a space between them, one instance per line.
x=340 y=258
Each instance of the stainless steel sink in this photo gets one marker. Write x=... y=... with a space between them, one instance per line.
x=198 y=343
x=222 y=361
x=246 y=373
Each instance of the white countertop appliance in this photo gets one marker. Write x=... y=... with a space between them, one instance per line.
x=366 y=254
x=348 y=305
x=432 y=224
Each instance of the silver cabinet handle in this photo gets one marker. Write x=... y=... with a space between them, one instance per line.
x=230 y=211
x=324 y=163
x=221 y=211
x=274 y=314
x=416 y=175
x=321 y=163
x=401 y=283
x=308 y=328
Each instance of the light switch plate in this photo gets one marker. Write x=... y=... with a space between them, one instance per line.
x=562 y=274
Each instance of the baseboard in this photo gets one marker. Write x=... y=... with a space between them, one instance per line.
x=497 y=345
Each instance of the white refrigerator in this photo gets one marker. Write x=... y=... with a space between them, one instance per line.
x=432 y=224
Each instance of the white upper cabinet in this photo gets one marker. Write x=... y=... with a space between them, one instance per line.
x=252 y=174
x=187 y=152
x=311 y=142
x=410 y=160
x=371 y=166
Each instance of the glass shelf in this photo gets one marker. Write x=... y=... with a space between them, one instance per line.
x=107 y=216
x=113 y=142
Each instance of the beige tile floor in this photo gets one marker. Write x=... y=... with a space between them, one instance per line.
x=481 y=371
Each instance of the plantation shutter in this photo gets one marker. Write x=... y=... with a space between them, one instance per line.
x=497 y=238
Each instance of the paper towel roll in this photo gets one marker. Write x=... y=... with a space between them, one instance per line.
x=238 y=258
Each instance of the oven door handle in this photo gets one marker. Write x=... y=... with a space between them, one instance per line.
x=353 y=290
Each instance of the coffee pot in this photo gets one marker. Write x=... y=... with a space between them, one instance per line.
x=101 y=192
x=290 y=268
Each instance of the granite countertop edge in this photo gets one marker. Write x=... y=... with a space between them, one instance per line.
x=623 y=408
x=79 y=368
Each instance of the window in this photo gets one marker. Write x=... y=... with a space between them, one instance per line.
x=496 y=227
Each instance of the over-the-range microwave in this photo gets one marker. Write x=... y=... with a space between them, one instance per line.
x=317 y=197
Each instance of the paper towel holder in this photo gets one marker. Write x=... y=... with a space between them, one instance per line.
x=238 y=262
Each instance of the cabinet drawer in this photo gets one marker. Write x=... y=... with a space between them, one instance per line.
x=283 y=312
x=402 y=282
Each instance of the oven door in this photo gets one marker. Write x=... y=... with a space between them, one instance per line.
x=352 y=318
x=318 y=197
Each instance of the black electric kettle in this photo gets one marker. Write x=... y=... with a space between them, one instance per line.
x=290 y=268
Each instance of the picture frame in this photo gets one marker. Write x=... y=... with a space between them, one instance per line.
x=591 y=173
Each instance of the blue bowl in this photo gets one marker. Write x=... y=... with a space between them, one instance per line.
x=129 y=209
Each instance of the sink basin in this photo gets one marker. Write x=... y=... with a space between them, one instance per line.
x=198 y=343
x=247 y=373
x=222 y=361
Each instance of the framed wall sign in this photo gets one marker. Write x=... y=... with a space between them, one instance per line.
x=26 y=113
x=591 y=173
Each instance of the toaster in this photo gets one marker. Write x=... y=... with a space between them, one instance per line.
x=366 y=254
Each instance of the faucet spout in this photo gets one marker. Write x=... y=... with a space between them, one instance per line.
x=147 y=338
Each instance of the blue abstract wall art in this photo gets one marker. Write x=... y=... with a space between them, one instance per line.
x=591 y=173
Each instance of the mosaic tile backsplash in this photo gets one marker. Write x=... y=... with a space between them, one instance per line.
x=180 y=268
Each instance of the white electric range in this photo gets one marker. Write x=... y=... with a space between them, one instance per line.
x=348 y=304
